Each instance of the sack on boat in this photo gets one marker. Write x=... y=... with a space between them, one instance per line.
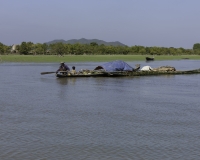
x=146 y=68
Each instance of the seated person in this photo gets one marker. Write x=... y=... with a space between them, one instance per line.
x=73 y=71
x=63 y=67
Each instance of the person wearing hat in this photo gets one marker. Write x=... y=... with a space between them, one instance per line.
x=63 y=67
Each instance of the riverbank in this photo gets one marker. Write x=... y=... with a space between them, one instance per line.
x=87 y=58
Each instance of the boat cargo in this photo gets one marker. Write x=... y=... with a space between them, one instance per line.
x=120 y=69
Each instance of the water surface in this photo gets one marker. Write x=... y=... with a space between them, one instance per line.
x=43 y=117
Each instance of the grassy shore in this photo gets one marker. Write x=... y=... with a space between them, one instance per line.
x=87 y=58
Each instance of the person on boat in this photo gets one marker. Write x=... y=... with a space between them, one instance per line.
x=73 y=71
x=63 y=67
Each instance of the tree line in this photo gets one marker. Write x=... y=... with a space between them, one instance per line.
x=29 y=48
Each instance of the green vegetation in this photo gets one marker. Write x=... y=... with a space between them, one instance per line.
x=196 y=46
x=4 y=49
x=94 y=51
x=85 y=58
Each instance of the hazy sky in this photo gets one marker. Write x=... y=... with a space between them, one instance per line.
x=162 y=23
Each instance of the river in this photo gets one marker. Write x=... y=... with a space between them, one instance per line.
x=141 y=118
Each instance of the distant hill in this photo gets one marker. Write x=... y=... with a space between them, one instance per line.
x=87 y=41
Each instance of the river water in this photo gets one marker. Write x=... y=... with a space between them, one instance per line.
x=141 y=118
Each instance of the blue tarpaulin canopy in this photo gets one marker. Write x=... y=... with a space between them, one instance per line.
x=115 y=66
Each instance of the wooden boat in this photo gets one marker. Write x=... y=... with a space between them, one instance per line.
x=92 y=73
x=61 y=75
x=149 y=59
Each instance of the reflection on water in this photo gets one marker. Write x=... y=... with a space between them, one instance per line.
x=65 y=81
x=168 y=76
x=62 y=81
x=43 y=117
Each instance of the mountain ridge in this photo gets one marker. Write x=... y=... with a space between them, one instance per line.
x=86 y=41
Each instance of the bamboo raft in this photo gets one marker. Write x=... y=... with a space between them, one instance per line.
x=94 y=73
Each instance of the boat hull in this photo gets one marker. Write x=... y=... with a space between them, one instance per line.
x=149 y=59
x=130 y=73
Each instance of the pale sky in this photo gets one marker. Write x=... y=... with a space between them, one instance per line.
x=162 y=23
